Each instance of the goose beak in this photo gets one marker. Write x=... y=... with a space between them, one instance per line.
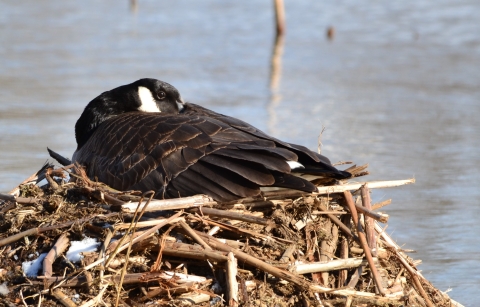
x=180 y=104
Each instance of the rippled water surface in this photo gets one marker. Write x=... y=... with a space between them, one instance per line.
x=398 y=88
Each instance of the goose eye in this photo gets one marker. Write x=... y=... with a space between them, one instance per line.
x=161 y=95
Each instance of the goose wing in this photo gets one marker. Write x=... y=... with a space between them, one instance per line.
x=314 y=163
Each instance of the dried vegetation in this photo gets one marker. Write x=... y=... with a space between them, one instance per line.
x=284 y=249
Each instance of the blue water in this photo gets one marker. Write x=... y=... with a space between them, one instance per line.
x=397 y=87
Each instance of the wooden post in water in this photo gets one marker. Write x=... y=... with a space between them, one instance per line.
x=279 y=17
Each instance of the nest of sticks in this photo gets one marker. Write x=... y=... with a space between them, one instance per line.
x=286 y=248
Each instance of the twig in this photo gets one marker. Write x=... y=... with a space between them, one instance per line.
x=172 y=204
x=57 y=249
x=194 y=236
x=297 y=280
x=37 y=231
x=20 y=200
x=193 y=298
x=129 y=279
x=98 y=299
x=328 y=247
x=369 y=224
x=51 y=182
x=381 y=217
x=363 y=242
x=339 y=223
x=338 y=188
x=169 y=291
x=234 y=216
x=342 y=274
x=139 y=238
x=416 y=281
x=371 y=185
x=62 y=298
x=232 y=285
x=182 y=250
x=288 y=253
x=104 y=197
x=381 y=204
x=305 y=268
x=267 y=239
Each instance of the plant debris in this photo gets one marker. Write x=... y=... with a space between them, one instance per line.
x=285 y=248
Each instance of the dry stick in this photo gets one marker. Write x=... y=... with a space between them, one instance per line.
x=234 y=216
x=279 y=17
x=315 y=212
x=288 y=252
x=113 y=245
x=134 y=222
x=161 y=244
x=215 y=244
x=401 y=256
x=363 y=242
x=339 y=223
x=172 y=204
x=99 y=195
x=129 y=279
x=89 y=278
x=194 y=236
x=103 y=250
x=381 y=217
x=142 y=224
x=183 y=250
x=65 y=300
x=97 y=300
x=20 y=200
x=312 y=248
x=169 y=291
x=225 y=226
x=381 y=204
x=49 y=177
x=37 y=231
x=57 y=249
x=370 y=232
x=339 y=188
x=215 y=229
x=356 y=186
x=328 y=249
x=193 y=298
x=416 y=281
x=139 y=238
x=339 y=264
x=369 y=224
x=342 y=274
x=232 y=285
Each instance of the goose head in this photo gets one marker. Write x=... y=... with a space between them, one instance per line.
x=144 y=95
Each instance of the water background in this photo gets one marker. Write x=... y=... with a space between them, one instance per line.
x=398 y=88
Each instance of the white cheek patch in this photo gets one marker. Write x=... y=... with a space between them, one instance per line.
x=180 y=105
x=294 y=165
x=148 y=103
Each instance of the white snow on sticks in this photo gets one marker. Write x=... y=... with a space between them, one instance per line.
x=31 y=268
x=77 y=247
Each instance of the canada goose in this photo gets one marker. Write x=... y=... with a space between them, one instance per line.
x=143 y=136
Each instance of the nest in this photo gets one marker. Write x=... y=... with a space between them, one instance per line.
x=286 y=248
